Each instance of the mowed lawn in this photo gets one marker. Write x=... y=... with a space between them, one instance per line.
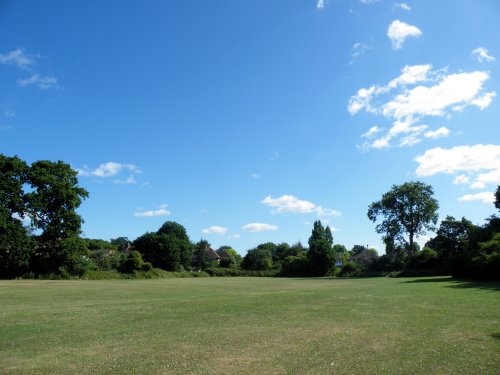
x=250 y=326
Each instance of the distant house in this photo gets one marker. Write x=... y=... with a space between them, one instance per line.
x=217 y=255
x=364 y=257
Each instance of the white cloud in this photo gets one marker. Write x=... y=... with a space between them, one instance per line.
x=214 y=229
x=461 y=179
x=42 y=82
x=419 y=92
x=481 y=54
x=5 y=127
x=411 y=74
x=481 y=162
x=161 y=211
x=460 y=158
x=485 y=196
x=485 y=100
x=461 y=88
x=358 y=50
x=403 y=6
x=18 y=58
x=483 y=179
x=109 y=169
x=320 y=4
x=439 y=133
x=398 y=32
x=255 y=176
x=259 y=227
x=369 y=1
x=291 y=204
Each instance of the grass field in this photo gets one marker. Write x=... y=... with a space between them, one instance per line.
x=250 y=326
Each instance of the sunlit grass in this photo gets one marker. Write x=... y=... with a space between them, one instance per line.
x=250 y=326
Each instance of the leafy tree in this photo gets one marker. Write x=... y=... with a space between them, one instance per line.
x=340 y=249
x=408 y=210
x=121 y=243
x=321 y=255
x=169 y=248
x=54 y=199
x=16 y=247
x=453 y=238
x=357 y=249
x=51 y=205
x=259 y=258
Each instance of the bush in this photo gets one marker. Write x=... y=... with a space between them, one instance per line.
x=349 y=269
x=295 y=265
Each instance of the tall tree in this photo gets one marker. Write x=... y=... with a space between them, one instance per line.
x=51 y=205
x=201 y=261
x=497 y=197
x=16 y=246
x=408 y=211
x=54 y=198
x=321 y=255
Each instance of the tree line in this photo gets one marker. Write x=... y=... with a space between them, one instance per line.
x=40 y=236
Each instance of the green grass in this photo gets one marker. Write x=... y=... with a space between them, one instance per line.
x=250 y=326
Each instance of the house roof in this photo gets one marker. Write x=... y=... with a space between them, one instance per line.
x=223 y=253
x=211 y=253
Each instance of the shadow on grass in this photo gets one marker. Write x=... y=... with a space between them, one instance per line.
x=459 y=283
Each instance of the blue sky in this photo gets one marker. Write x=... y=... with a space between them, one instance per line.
x=246 y=121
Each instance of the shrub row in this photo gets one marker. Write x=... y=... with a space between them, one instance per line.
x=225 y=272
x=155 y=273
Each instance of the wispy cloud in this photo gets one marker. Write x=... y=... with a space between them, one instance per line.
x=291 y=204
x=399 y=31
x=358 y=50
x=255 y=176
x=214 y=229
x=161 y=211
x=481 y=54
x=42 y=82
x=109 y=169
x=419 y=92
x=403 y=6
x=320 y=4
x=4 y=127
x=274 y=156
x=18 y=58
x=259 y=227
x=129 y=181
x=371 y=132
